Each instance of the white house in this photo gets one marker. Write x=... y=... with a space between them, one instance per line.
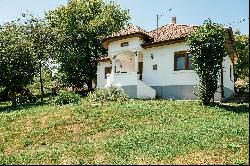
x=156 y=63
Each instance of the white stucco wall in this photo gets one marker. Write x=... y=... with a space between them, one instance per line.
x=228 y=83
x=165 y=74
x=163 y=56
x=101 y=81
x=115 y=47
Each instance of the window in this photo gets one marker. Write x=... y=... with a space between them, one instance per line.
x=155 y=67
x=182 y=61
x=107 y=71
x=231 y=73
x=124 y=44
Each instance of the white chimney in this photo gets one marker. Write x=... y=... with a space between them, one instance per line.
x=174 y=20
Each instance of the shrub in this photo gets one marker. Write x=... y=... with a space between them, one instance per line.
x=107 y=94
x=67 y=98
x=242 y=87
x=207 y=46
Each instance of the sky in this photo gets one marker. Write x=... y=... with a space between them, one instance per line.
x=143 y=12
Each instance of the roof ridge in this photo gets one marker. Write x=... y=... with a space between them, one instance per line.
x=173 y=24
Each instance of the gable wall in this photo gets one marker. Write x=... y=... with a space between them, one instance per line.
x=134 y=44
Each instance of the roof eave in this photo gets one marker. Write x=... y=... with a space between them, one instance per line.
x=164 y=42
x=106 y=41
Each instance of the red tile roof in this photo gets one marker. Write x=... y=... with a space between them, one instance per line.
x=165 y=33
x=171 y=32
x=129 y=30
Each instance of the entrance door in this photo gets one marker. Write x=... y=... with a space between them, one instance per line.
x=140 y=66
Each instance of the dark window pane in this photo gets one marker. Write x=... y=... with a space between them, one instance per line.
x=107 y=71
x=230 y=72
x=124 y=44
x=180 y=62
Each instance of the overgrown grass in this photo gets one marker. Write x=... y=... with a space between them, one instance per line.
x=136 y=132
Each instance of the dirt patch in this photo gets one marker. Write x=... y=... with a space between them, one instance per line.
x=10 y=150
x=75 y=128
x=215 y=157
x=44 y=120
x=201 y=158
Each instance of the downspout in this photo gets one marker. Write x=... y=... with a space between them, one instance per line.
x=222 y=84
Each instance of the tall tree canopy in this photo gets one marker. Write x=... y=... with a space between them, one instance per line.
x=241 y=46
x=41 y=36
x=79 y=27
x=17 y=62
x=207 y=45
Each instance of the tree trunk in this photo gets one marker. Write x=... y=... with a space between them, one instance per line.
x=41 y=82
x=89 y=83
x=12 y=96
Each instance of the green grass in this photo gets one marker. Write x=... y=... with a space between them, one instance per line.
x=136 y=132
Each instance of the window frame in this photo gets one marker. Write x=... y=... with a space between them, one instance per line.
x=182 y=54
x=106 y=71
x=124 y=44
x=231 y=72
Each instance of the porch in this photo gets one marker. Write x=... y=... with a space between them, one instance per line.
x=126 y=73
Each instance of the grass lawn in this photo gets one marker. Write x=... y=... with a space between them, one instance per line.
x=136 y=132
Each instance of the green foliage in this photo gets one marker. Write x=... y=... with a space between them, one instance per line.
x=107 y=94
x=207 y=45
x=42 y=38
x=78 y=28
x=149 y=132
x=35 y=87
x=67 y=98
x=17 y=63
x=4 y=94
x=241 y=47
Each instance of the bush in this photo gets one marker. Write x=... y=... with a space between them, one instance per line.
x=107 y=94
x=67 y=98
x=4 y=94
x=243 y=88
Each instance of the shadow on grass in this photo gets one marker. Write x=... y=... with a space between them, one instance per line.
x=19 y=107
x=242 y=108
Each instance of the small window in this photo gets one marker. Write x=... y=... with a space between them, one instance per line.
x=124 y=44
x=155 y=67
x=182 y=61
x=231 y=73
x=107 y=71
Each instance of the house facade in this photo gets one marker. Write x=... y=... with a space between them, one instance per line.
x=156 y=64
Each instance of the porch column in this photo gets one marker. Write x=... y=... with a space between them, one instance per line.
x=113 y=64
x=136 y=62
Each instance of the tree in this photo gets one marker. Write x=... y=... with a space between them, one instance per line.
x=207 y=46
x=79 y=27
x=241 y=47
x=17 y=64
x=41 y=37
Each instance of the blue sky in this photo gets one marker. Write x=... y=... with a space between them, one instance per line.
x=143 y=12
